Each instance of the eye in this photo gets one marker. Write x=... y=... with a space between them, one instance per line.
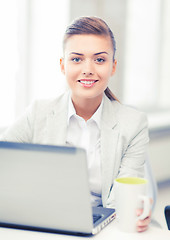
x=100 y=60
x=76 y=59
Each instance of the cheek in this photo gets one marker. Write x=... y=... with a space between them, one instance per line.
x=71 y=76
x=105 y=72
x=71 y=71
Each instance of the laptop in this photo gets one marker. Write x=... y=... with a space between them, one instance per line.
x=45 y=188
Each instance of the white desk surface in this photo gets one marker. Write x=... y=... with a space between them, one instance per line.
x=108 y=233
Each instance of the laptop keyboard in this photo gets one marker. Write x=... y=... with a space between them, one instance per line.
x=96 y=218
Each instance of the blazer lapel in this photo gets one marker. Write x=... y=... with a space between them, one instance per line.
x=109 y=140
x=57 y=122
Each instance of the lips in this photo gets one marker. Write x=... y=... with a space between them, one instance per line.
x=87 y=82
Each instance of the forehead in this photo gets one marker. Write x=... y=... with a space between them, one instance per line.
x=88 y=43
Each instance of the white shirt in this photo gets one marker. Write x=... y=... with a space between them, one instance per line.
x=87 y=135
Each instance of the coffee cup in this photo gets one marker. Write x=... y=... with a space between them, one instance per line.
x=130 y=195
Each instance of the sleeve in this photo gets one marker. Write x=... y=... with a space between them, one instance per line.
x=134 y=155
x=21 y=130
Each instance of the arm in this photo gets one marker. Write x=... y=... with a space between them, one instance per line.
x=137 y=151
x=134 y=154
x=20 y=130
x=134 y=141
x=131 y=149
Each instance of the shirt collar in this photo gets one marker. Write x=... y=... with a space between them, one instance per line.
x=71 y=110
x=96 y=116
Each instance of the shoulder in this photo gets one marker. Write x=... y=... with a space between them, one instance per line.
x=47 y=106
x=127 y=118
x=127 y=113
x=33 y=122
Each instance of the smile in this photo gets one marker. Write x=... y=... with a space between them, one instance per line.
x=87 y=83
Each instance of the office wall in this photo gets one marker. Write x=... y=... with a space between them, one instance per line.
x=159 y=154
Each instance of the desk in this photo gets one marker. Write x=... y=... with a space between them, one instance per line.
x=109 y=233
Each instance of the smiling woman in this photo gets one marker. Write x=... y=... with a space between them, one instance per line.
x=114 y=136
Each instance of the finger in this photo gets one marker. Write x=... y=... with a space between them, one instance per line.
x=151 y=201
x=145 y=222
x=142 y=229
x=140 y=211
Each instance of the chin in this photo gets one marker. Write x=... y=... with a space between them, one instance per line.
x=89 y=95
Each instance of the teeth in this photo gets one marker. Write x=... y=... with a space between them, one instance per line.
x=87 y=82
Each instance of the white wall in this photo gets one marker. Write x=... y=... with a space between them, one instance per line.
x=159 y=154
x=30 y=51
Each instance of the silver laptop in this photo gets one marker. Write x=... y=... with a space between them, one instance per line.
x=46 y=188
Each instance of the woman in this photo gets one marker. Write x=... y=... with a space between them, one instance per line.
x=89 y=115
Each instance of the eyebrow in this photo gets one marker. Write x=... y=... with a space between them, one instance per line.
x=101 y=53
x=80 y=54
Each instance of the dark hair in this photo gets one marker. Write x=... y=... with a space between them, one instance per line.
x=91 y=25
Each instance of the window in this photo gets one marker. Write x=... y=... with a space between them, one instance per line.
x=9 y=59
x=147 y=71
x=30 y=46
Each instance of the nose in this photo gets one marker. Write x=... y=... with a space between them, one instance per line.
x=88 y=68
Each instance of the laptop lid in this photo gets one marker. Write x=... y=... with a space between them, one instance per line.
x=44 y=187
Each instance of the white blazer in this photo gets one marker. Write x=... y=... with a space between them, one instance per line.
x=124 y=137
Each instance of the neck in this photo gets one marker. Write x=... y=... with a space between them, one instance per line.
x=85 y=108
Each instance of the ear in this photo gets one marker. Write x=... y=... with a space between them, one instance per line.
x=114 y=67
x=62 y=67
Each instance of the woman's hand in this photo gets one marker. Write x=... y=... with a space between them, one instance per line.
x=142 y=225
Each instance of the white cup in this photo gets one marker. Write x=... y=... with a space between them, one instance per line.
x=130 y=195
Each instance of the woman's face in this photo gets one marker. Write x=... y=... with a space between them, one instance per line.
x=88 y=64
